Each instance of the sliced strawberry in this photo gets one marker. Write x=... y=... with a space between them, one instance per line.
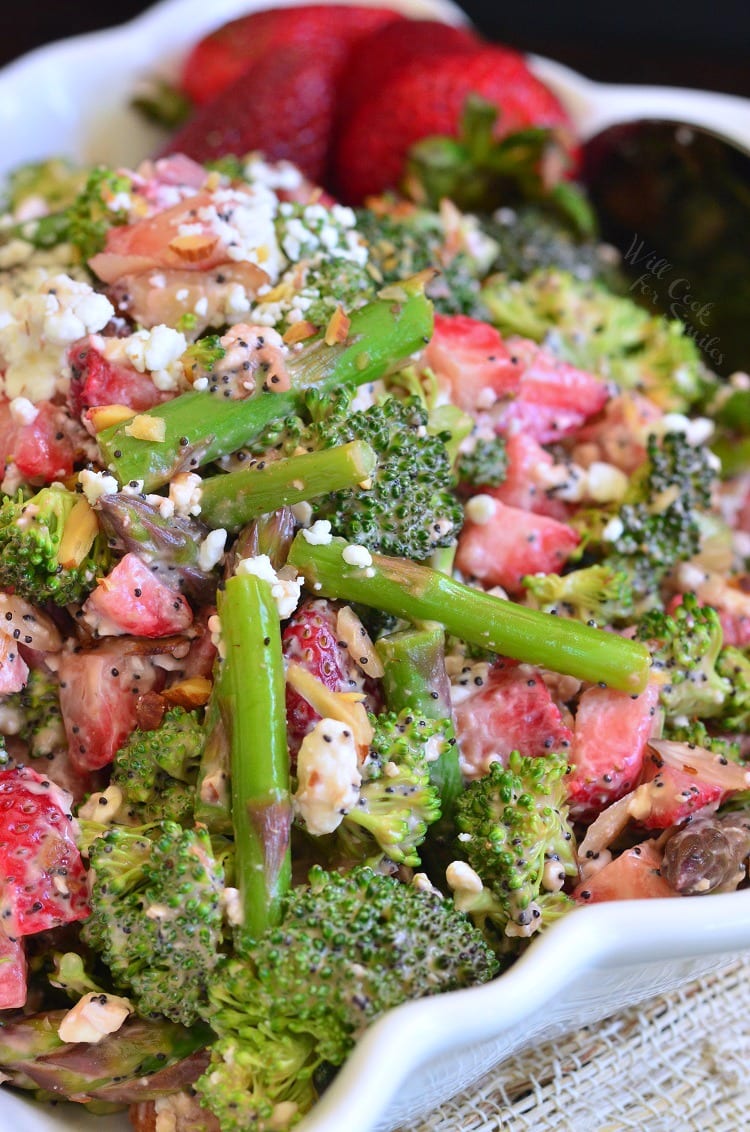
x=221 y=57
x=472 y=358
x=511 y=544
x=524 y=485
x=99 y=693
x=512 y=711
x=553 y=399
x=12 y=973
x=679 y=779
x=633 y=875
x=310 y=640
x=131 y=599
x=42 y=449
x=170 y=294
x=43 y=879
x=97 y=381
x=612 y=730
x=616 y=435
x=427 y=98
x=14 y=671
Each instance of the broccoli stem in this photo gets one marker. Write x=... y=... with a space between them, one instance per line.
x=417 y=593
x=415 y=678
x=200 y=427
x=252 y=694
x=234 y=499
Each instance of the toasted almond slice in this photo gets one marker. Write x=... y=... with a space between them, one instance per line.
x=338 y=327
x=332 y=705
x=103 y=416
x=80 y=531
x=352 y=632
x=195 y=247
x=190 y=693
x=298 y=331
x=143 y=427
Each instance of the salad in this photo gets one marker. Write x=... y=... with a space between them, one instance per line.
x=373 y=576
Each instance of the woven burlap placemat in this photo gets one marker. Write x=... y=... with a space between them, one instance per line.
x=678 y=1063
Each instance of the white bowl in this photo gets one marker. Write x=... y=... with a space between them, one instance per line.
x=71 y=98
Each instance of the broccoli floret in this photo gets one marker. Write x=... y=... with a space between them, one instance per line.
x=531 y=237
x=658 y=524
x=695 y=732
x=200 y=358
x=157 y=770
x=486 y=465
x=608 y=334
x=397 y=800
x=349 y=948
x=39 y=705
x=50 y=546
x=410 y=508
x=733 y=665
x=514 y=832
x=685 y=648
x=404 y=239
x=155 y=916
x=55 y=182
x=85 y=221
x=598 y=593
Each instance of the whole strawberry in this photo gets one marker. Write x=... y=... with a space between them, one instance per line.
x=427 y=99
x=221 y=57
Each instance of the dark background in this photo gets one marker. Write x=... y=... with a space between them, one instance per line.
x=704 y=46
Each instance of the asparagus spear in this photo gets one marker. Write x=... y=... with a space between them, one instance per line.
x=232 y=500
x=420 y=594
x=415 y=678
x=199 y=427
x=251 y=694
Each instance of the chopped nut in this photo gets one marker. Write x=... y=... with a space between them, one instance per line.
x=190 y=693
x=80 y=531
x=193 y=248
x=147 y=428
x=359 y=644
x=104 y=416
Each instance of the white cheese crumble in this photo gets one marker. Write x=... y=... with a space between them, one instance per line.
x=286 y=585
x=22 y=411
x=319 y=534
x=480 y=509
x=38 y=327
x=93 y=1017
x=156 y=351
x=211 y=550
x=185 y=492
x=355 y=555
x=328 y=776
x=96 y=484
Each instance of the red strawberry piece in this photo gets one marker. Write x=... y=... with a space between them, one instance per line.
x=472 y=358
x=378 y=57
x=97 y=381
x=43 y=879
x=12 y=973
x=511 y=711
x=633 y=875
x=511 y=544
x=41 y=449
x=679 y=779
x=99 y=694
x=426 y=99
x=310 y=640
x=14 y=671
x=131 y=599
x=523 y=485
x=612 y=730
x=221 y=57
x=554 y=398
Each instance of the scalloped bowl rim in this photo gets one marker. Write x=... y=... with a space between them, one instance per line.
x=50 y=80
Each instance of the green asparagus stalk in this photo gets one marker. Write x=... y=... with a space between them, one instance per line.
x=213 y=806
x=415 y=678
x=252 y=695
x=418 y=594
x=200 y=427
x=234 y=499
x=271 y=534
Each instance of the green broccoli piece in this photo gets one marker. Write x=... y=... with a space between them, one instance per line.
x=685 y=649
x=658 y=524
x=514 y=832
x=39 y=704
x=86 y=219
x=531 y=237
x=200 y=358
x=157 y=770
x=410 y=508
x=55 y=181
x=695 y=732
x=733 y=665
x=607 y=334
x=597 y=594
x=49 y=550
x=349 y=948
x=156 y=917
x=486 y=465
x=397 y=800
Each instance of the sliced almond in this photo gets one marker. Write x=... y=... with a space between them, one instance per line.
x=333 y=705
x=78 y=537
x=193 y=248
x=352 y=632
x=299 y=331
x=191 y=693
x=338 y=327
x=104 y=416
x=143 y=427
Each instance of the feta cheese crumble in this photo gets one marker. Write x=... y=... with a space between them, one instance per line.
x=328 y=776
x=285 y=585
